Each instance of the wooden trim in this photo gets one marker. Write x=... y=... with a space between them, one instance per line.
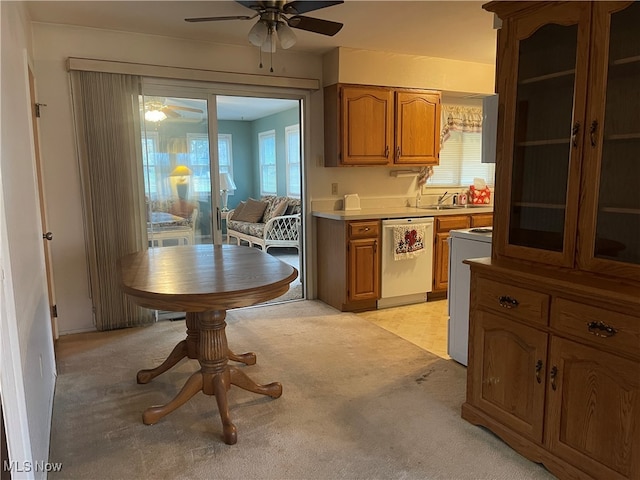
x=182 y=73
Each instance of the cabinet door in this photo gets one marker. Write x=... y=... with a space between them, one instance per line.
x=417 y=128
x=508 y=367
x=542 y=86
x=367 y=125
x=364 y=269
x=441 y=272
x=593 y=417
x=610 y=213
x=482 y=220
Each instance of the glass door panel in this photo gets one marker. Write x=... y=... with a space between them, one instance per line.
x=543 y=137
x=177 y=170
x=618 y=213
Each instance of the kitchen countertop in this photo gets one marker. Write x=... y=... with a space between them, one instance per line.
x=397 y=212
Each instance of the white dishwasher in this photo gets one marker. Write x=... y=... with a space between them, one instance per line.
x=407 y=261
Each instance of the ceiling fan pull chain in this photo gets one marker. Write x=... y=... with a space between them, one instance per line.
x=260 y=50
x=271 y=69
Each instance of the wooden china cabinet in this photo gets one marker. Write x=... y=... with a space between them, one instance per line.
x=554 y=334
x=370 y=125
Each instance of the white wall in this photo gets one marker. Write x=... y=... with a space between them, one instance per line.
x=26 y=351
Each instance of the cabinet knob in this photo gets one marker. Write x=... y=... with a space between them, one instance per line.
x=601 y=329
x=592 y=132
x=538 y=370
x=508 y=302
x=554 y=374
x=47 y=236
x=574 y=134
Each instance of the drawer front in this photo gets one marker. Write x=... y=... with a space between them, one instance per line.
x=452 y=222
x=520 y=303
x=597 y=325
x=364 y=229
x=482 y=220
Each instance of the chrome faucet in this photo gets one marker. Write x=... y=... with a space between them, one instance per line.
x=443 y=197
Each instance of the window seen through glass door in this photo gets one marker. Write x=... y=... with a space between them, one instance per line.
x=267 y=154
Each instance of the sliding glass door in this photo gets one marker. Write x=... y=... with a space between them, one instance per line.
x=177 y=167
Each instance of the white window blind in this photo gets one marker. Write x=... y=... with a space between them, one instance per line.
x=461 y=161
x=292 y=145
x=267 y=155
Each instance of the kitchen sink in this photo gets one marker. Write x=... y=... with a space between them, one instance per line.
x=441 y=207
x=449 y=206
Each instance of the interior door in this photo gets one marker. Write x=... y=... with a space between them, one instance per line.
x=47 y=236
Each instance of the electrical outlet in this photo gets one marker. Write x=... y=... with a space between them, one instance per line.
x=334 y=189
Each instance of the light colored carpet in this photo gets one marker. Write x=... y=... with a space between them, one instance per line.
x=359 y=403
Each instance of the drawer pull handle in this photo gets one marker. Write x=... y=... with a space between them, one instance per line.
x=600 y=329
x=508 y=302
x=538 y=370
x=554 y=374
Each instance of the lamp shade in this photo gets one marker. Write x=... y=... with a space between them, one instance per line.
x=226 y=182
x=286 y=36
x=180 y=171
x=258 y=34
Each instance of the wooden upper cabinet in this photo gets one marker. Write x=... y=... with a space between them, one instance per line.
x=568 y=149
x=369 y=125
x=417 y=128
x=610 y=207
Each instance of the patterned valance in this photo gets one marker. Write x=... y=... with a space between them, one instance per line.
x=460 y=119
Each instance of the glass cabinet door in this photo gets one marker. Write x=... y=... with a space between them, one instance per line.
x=543 y=126
x=612 y=151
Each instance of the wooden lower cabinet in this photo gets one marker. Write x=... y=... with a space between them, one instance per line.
x=443 y=225
x=348 y=263
x=564 y=392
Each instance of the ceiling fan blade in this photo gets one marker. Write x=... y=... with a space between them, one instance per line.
x=253 y=5
x=316 y=25
x=169 y=113
x=214 y=19
x=186 y=109
x=297 y=7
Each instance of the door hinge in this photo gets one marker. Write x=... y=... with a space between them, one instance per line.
x=38 y=105
x=54 y=311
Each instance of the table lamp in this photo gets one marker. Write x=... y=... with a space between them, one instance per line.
x=226 y=184
x=182 y=185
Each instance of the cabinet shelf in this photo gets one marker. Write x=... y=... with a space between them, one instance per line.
x=629 y=211
x=540 y=143
x=623 y=136
x=549 y=76
x=627 y=60
x=554 y=206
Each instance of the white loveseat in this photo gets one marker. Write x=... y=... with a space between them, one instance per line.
x=280 y=230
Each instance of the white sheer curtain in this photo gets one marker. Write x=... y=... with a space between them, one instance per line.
x=106 y=115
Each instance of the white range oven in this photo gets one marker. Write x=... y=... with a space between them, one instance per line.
x=463 y=244
x=407 y=261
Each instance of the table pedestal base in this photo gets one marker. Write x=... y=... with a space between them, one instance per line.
x=206 y=341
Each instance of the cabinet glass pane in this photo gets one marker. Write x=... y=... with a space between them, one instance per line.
x=618 y=225
x=542 y=148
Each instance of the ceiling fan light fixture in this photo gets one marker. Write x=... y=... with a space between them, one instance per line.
x=269 y=45
x=258 y=34
x=154 y=116
x=285 y=35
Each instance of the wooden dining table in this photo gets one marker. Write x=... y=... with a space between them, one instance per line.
x=205 y=281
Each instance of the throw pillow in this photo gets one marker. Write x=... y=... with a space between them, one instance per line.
x=252 y=211
x=276 y=210
x=238 y=210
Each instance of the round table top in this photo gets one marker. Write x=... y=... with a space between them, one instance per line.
x=197 y=278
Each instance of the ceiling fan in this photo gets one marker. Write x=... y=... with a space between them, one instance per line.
x=156 y=110
x=277 y=17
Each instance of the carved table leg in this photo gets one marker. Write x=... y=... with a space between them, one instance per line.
x=246 y=358
x=240 y=379
x=152 y=414
x=184 y=348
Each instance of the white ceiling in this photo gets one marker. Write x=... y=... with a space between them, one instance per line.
x=457 y=30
